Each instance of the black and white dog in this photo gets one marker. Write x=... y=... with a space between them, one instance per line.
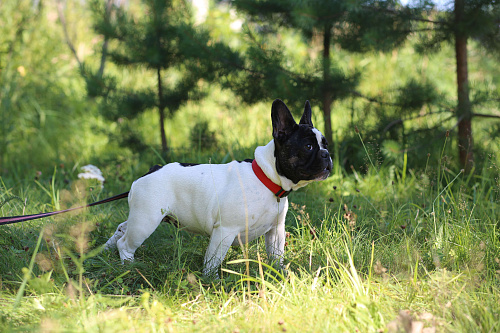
x=234 y=202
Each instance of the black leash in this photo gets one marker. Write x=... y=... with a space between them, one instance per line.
x=15 y=219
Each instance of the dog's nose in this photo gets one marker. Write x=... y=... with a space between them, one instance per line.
x=324 y=153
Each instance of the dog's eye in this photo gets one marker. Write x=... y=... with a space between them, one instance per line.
x=309 y=146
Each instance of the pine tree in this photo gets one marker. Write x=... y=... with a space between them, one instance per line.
x=164 y=41
x=362 y=26
x=467 y=19
x=358 y=26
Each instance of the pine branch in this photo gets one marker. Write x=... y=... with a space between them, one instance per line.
x=420 y=30
x=431 y=129
x=436 y=126
x=444 y=109
x=226 y=61
x=323 y=18
x=429 y=21
x=412 y=17
x=401 y=120
x=372 y=99
x=482 y=115
x=299 y=77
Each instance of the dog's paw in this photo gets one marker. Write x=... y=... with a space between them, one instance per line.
x=211 y=275
x=127 y=261
x=281 y=269
x=125 y=256
x=109 y=245
x=211 y=280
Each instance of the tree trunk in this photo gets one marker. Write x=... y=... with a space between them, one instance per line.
x=161 y=109
x=464 y=112
x=327 y=94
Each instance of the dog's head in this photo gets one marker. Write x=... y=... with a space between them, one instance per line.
x=301 y=150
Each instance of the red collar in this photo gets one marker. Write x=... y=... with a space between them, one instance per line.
x=278 y=191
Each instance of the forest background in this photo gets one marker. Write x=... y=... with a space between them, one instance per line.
x=408 y=96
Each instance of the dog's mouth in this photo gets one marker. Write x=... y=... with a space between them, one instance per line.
x=322 y=175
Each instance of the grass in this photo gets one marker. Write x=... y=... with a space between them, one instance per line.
x=382 y=248
x=376 y=252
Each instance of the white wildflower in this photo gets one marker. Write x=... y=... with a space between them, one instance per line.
x=92 y=172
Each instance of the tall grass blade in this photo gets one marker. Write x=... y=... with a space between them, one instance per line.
x=27 y=272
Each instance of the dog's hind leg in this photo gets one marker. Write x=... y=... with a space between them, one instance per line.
x=140 y=225
x=120 y=231
x=145 y=214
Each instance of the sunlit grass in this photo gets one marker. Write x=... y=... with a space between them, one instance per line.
x=397 y=242
x=371 y=252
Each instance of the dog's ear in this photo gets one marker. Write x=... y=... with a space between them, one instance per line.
x=306 y=117
x=283 y=122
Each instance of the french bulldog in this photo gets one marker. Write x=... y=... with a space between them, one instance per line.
x=232 y=203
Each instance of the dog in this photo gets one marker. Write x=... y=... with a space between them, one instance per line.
x=232 y=203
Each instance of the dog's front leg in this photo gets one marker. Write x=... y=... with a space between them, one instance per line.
x=275 y=242
x=220 y=241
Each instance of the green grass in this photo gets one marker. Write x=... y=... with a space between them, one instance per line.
x=365 y=246
x=372 y=252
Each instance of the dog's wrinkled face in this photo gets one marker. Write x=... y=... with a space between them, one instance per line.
x=301 y=150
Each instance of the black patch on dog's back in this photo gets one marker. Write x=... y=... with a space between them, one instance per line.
x=188 y=164
x=154 y=168
x=248 y=160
